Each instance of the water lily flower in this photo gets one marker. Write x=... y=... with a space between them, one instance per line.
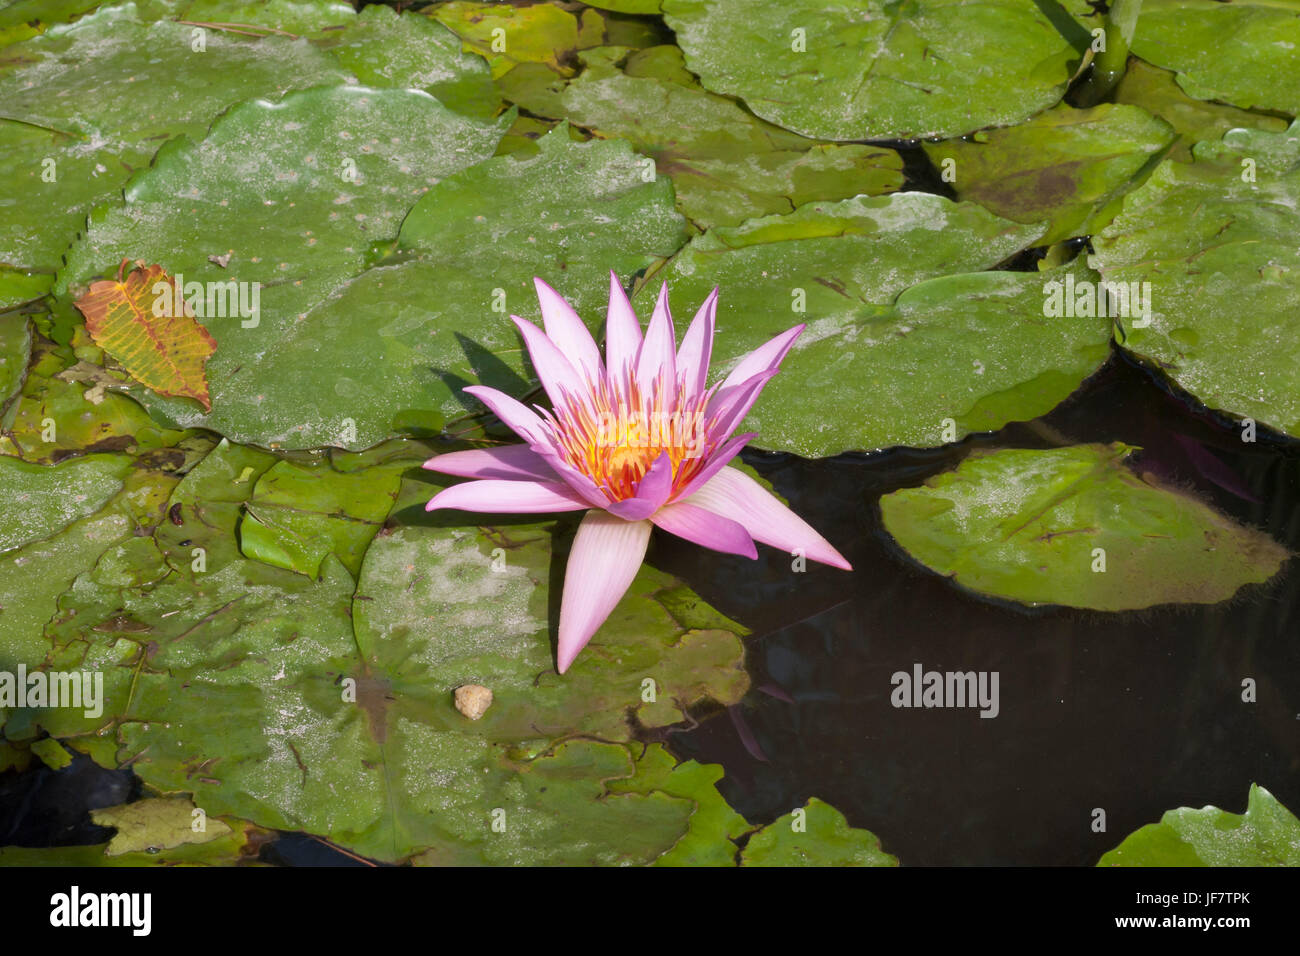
x=639 y=441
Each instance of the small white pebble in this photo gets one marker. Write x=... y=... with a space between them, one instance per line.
x=473 y=700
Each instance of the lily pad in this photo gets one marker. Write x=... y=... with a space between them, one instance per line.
x=726 y=165
x=869 y=69
x=1267 y=834
x=1076 y=527
x=1066 y=166
x=15 y=350
x=436 y=319
x=838 y=267
x=41 y=499
x=1156 y=91
x=1216 y=242
x=1245 y=54
x=237 y=847
x=815 y=835
x=66 y=148
x=507 y=35
x=335 y=170
x=300 y=512
x=156 y=823
x=385 y=49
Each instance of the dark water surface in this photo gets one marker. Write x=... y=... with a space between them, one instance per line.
x=1134 y=713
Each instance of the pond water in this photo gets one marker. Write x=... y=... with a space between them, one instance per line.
x=1132 y=713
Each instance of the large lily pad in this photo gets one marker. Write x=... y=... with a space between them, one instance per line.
x=507 y=35
x=335 y=171
x=1066 y=166
x=726 y=165
x=1246 y=54
x=1075 y=526
x=1216 y=242
x=66 y=147
x=867 y=69
x=1267 y=834
x=41 y=499
x=434 y=320
x=863 y=375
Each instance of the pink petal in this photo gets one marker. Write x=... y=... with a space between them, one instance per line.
x=697 y=347
x=703 y=527
x=573 y=478
x=767 y=356
x=717 y=461
x=517 y=416
x=505 y=461
x=658 y=353
x=566 y=329
x=733 y=494
x=606 y=556
x=556 y=373
x=501 y=496
x=651 y=492
x=729 y=406
x=622 y=331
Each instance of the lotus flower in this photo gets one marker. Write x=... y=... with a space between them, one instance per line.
x=638 y=441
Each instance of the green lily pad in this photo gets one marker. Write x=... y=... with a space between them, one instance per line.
x=299 y=512
x=436 y=319
x=629 y=6
x=385 y=49
x=1216 y=242
x=726 y=165
x=1267 y=834
x=1076 y=527
x=1156 y=91
x=336 y=170
x=52 y=753
x=1245 y=54
x=33 y=576
x=714 y=826
x=877 y=70
x=1066 y=166
x=844 y=263
x=156 y=823
x=41 y=499
x=65 y=147
x=15 y=350
x=815 y=835
x=506 y=35
x=299 y=17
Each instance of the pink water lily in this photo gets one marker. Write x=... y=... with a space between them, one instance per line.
x=640 y=440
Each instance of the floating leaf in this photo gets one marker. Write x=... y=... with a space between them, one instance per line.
x=64 y=146
x=507 y=35
x=822 y=838
x=336 y=169
x=1267 y=834
x=864 y=376
x=15 y=350
x=1156 y=91
x=151 y=331
x=42 y=499
x=1075 y=526
x=1067 y=166
x=726 y=165
x=156 y=823
x=1246 y=54
x=1216 y=243
x=921 y=69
